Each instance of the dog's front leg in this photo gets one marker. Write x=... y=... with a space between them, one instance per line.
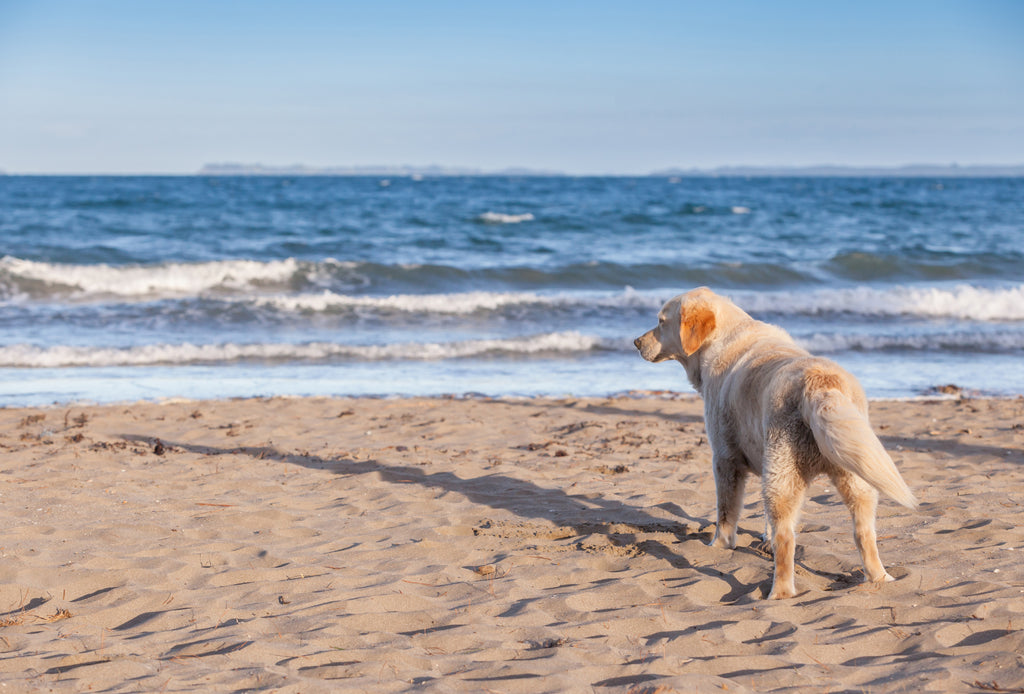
x=730 y=481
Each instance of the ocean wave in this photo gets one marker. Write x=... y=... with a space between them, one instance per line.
x=704 y=209
x=999 y=342
x=922 y=263
x=963 y=302
x=292 y=285
x=463 y=303
x=504 y=218
x=64 y=356
x=22 y=279
x=555 y=344
x=438 y=304
x=169 y=279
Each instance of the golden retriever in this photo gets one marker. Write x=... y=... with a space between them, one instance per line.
x=773 y=409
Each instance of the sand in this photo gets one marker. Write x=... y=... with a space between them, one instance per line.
x=536 y=545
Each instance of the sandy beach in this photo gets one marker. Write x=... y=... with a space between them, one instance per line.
x=534 y=545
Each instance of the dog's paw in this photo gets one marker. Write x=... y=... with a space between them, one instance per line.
x=721 y=542
x=782 y=592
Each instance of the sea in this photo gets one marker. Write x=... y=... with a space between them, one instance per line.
x=117 y=289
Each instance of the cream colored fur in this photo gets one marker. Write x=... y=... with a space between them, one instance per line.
x=774 y=410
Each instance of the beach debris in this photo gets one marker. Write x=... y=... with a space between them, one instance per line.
x=536 y=446
x=617 y=470
x=545 y=644
x=24 y=617
x=78 y=421
x=575 y=427
x=61 y=613
x=158 y=448
x=994 y=687
x=31 y=419
x=485 y=570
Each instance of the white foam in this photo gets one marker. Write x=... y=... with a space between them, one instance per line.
x=144 y=281
x=963 y=302
x=450 y=304
x=740 y=209
x=504 y=218
x=63 y=356
x=463 y=303
x=868 y=343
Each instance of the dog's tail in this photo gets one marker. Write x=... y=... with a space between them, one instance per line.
x=844 y=437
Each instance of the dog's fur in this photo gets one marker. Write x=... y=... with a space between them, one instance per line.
x=773 y=409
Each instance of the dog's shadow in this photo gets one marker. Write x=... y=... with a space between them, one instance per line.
x=621 y=523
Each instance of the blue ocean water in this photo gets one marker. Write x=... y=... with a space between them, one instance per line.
x=121 y=288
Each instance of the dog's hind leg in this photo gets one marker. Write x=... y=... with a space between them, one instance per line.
x=783 y=489
x=730 y=481
x=862 y=499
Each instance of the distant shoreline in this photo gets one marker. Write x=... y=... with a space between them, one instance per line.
x=823 y=171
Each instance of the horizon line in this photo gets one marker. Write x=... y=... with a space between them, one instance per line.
x=436 y=170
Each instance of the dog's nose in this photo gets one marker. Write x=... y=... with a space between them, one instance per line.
x=636 y=343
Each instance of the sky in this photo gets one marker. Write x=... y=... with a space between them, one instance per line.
x=588 y=87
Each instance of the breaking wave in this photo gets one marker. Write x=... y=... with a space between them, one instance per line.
x=30 y=356
x=964 y=302
x=19 y=276
x=292 y=285
x=958 y=341
x=504 y=218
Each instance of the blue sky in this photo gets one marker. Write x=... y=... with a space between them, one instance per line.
x=111 y=86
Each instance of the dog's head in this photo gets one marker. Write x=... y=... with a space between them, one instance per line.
x=684 y=325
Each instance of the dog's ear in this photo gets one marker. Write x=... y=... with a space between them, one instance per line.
x=695 y=324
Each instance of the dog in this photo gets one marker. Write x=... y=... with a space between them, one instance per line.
x=773 y=409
